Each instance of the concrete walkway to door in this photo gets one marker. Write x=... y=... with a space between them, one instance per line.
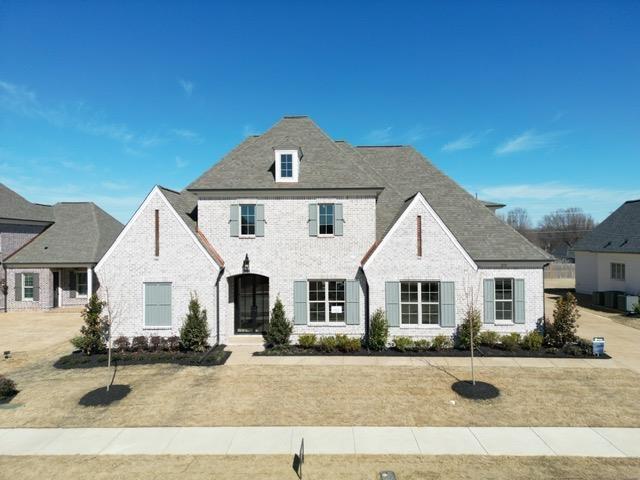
x=545 y=441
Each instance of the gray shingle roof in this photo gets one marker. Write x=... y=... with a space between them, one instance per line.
x=400 y=171
x=81 y=233
x=185 y=204
x=15 y=207
x=619 y=232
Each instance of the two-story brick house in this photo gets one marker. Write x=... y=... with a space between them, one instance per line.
x=47 y=252
x=334 y=231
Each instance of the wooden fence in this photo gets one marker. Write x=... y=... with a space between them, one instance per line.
x=560 y=270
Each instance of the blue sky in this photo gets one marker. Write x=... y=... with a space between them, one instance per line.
x=532 y=104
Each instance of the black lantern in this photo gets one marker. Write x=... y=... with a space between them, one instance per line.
x=245 y=264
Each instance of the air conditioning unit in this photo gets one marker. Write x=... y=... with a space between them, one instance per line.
x=631 y=302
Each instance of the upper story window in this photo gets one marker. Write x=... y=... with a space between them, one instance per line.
x=247 y=220
x=326 y=220
x=287 y=163
x=27 y=286
x=617 y=271
x=420 y=303
x=504 y=299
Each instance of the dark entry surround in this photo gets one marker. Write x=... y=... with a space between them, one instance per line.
x=251 y=301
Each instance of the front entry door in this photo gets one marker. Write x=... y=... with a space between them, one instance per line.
x=251 y=304
x=56 y=288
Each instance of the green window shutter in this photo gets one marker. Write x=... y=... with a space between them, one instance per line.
x=392 y=303
x=72 y=284
x=447 y=304
x=234 y=216
x=313 y=219
x=259 y=220
x=300 y=302
x=489 y=300
x=353 y=302
x=519 y=301
x=36 y=287
x=157 y=304
x=18 y=286
x=339 y=220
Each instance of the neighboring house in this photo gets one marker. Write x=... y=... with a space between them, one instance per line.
x=335 y=231
x=47 y=252
x=608 y=257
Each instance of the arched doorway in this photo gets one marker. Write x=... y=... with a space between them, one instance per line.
x=251 y=303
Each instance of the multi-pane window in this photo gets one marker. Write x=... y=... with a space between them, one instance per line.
x=326 y=301
x=617 y=271
x=504 y=299
x=286 y=165
x=326 y=218
x=420 y=303
x=81 y=284
x=27 y=286
x=247 y=220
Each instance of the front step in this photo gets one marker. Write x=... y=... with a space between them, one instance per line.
x=246 y=340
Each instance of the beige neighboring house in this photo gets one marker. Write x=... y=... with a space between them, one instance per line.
x=333 y=230
x=48 y=252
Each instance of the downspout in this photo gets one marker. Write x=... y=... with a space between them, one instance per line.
x=366 y=307
x=218 y=305
x=544 y=303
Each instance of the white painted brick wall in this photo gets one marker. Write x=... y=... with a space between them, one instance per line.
x=45 y=281
x=133 y=262
x=287 y=253
x=397 y=260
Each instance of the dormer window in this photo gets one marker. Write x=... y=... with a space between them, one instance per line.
x=287 y=165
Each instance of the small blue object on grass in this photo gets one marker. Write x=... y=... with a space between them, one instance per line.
x=598 y=345
x=387 y=475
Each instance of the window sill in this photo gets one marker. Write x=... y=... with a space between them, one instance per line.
x=326 y=324
x=421 y=325
x=246 y=237
x=326 y=235
x=156 y=328
x=503 y=323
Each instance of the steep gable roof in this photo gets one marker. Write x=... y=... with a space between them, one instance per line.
x=81 y=233
x=619 y=232
x=324 y=164
x=16 y=207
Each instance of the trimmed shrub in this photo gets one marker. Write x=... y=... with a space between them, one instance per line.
x=565 y=317
x=422 y=345
x=636 y=308
x=307 y=340
x=441 y=342
x=121 y=344
x=488 y=338
x=280 y=328
x=378 y=331
x=173 y=343
x=155 y=343
x=194 y=334
x=402 y=344
x=327 y=344
x=139 y=343
x=7 y=387
x=347 y=344
x=93 y=332
x=510 y=341
x=470 y=323
x=532 y=341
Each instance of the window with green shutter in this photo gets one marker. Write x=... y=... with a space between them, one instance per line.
x=157 y=304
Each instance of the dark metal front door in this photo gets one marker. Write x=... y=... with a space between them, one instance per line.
x=251 y=304
x=56 y=288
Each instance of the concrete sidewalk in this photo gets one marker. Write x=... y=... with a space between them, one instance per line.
x=546 y=441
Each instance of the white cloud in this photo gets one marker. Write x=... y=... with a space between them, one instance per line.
x=77 y=166
x=529 y=140
x=465 y=142
x=188 y=135
x=187 y=86
x=380 y=135
x=118 y=186
x=181 y=162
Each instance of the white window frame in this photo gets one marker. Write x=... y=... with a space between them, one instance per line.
x=327 y=303
x=24 y=287
x=420 y=304
x=78 y=294
x=247 y=235
x=618 y=271
x=511 y=301
x=333 y=215
x=295 y=165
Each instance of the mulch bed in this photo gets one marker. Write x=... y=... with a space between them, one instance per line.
x=214 y=356
x=450 y=352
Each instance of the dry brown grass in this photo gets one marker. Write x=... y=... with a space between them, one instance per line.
x=317 y=467
x=168 y=395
